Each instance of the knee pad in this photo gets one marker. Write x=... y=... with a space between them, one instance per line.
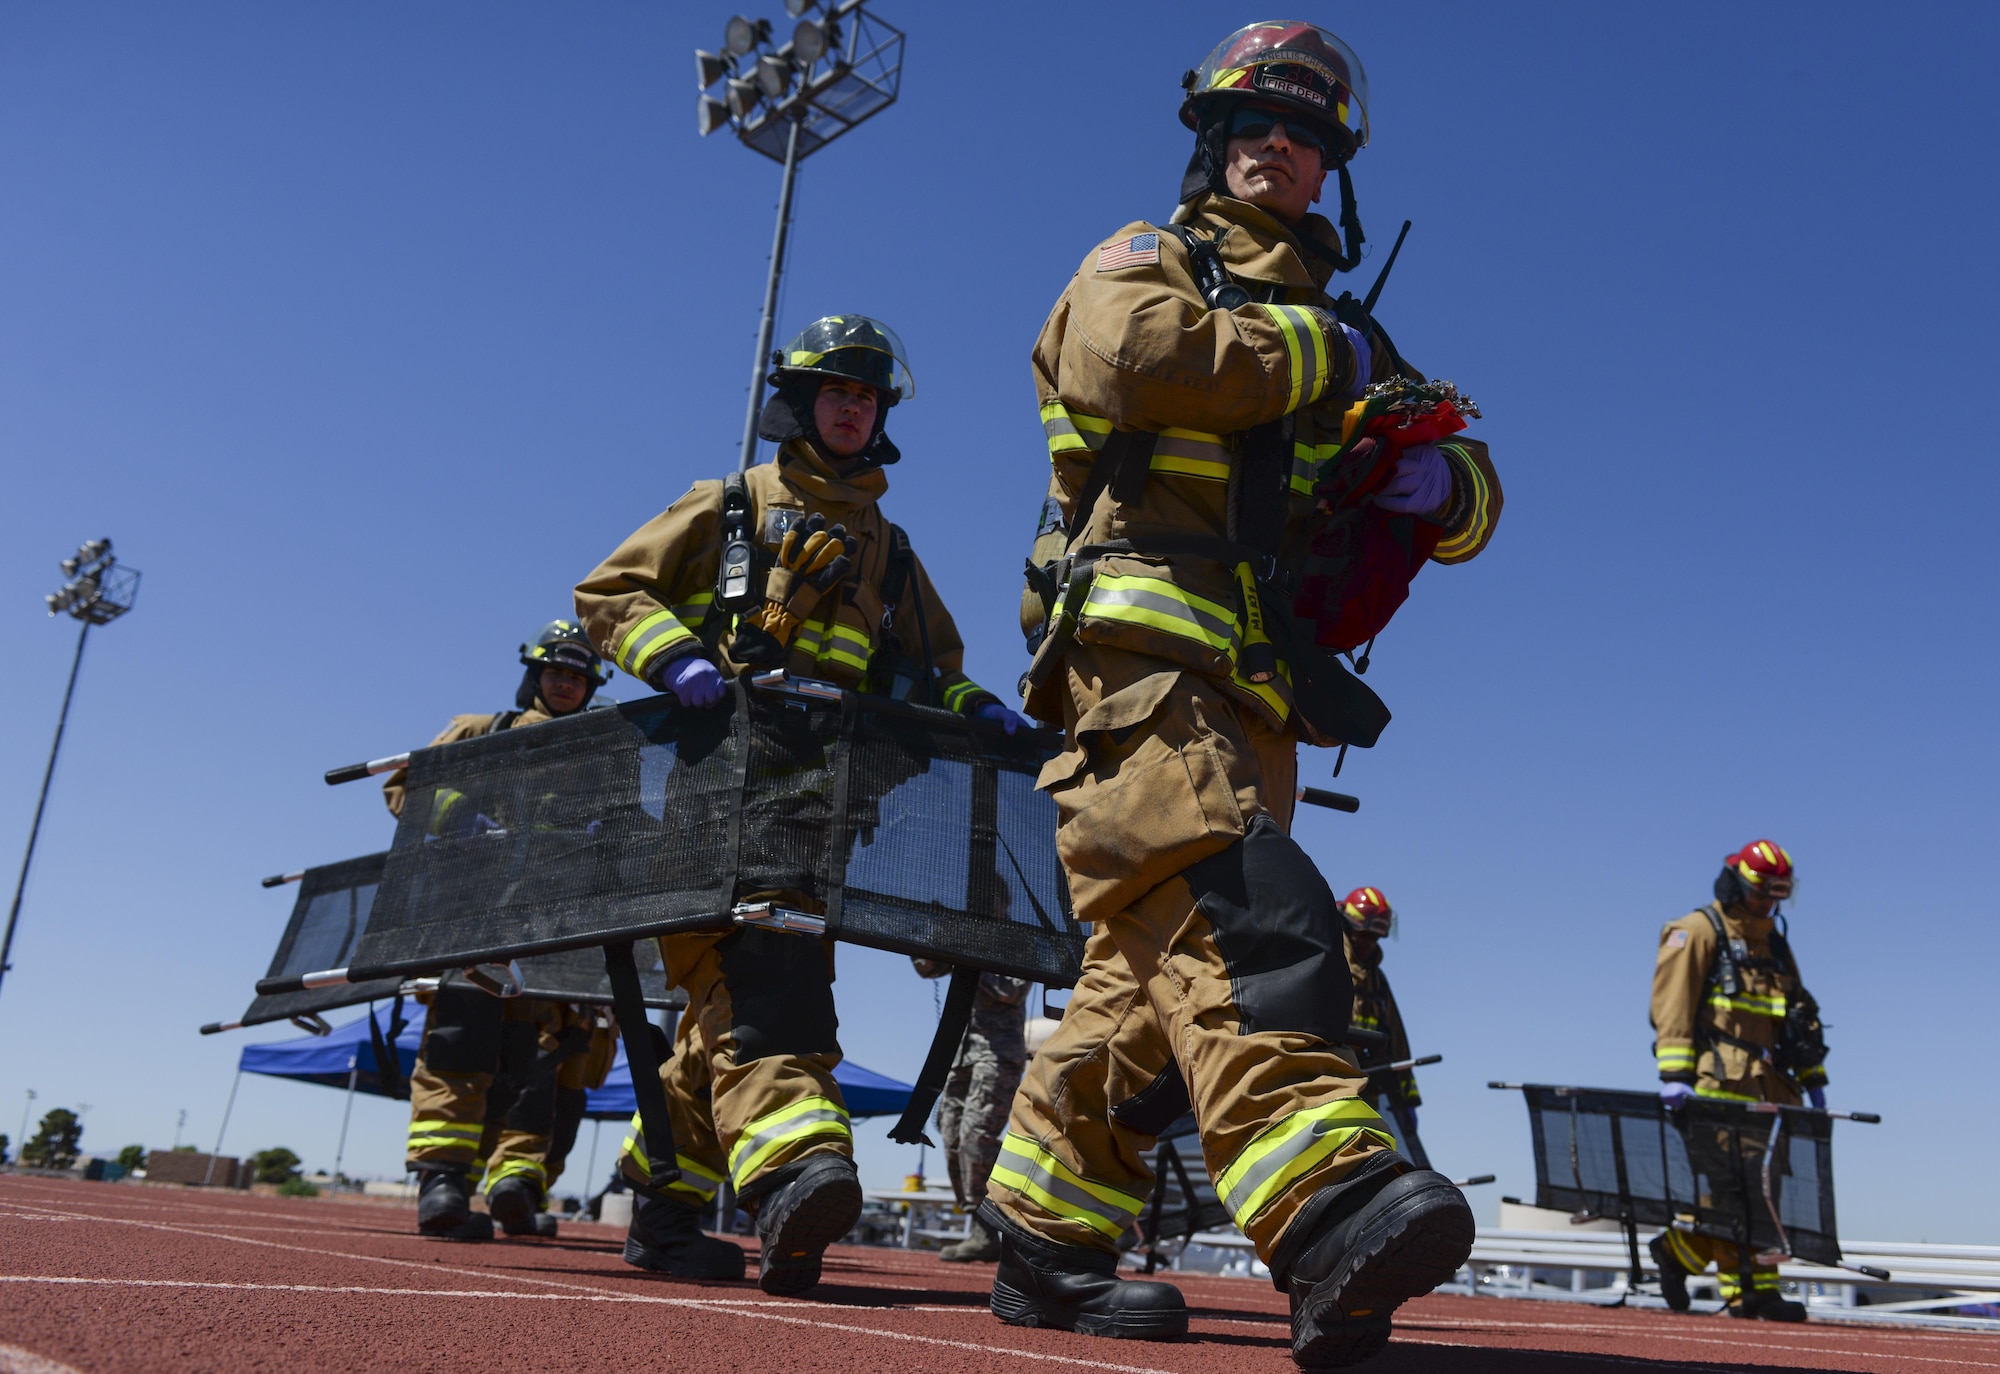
x=1278 y=926
x=780 y=994
x=462 y=1031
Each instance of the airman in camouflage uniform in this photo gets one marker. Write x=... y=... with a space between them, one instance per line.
x=972 y=1111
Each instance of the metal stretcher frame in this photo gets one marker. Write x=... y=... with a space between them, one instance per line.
x=1738 y=1172
x=555 y=837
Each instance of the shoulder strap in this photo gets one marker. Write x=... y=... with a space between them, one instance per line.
x=1211 y=278
x=737 y=586
x=1722 y=972
x=896 y=571
x=502 y=721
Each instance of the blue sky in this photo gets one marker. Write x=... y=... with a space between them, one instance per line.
x=365 y=331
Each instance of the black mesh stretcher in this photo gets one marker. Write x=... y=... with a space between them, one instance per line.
x=332 y=910
x=901 y=827
x=1751 y=1173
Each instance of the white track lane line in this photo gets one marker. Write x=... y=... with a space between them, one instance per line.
x=694 y=1304
x=1649 y=1333
x=14 y=1360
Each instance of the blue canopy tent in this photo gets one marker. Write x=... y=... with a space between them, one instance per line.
x=329 y=1059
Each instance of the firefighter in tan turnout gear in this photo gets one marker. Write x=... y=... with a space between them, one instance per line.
x=493 y=1076
x=1393 y=1094
x=1194 y=392
x=1732 y=1020
x=843 y=599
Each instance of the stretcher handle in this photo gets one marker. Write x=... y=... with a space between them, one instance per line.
x=1333 y=801
x=1475 y=1180
x=280 y=879
x=354 y=772
x=1401 y=1064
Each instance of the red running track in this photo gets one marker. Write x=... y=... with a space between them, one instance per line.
x=102 y=1278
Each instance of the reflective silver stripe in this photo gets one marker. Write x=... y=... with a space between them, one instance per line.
x=750 y=1153
x=1054 y=1188
x=1110 y=594
x=1246 y=1186
x=651 y=639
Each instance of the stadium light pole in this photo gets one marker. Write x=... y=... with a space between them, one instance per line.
x=842 y=67
x=99 y=590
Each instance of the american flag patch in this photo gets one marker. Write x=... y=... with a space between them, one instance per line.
x=1677 y=940
x=1141 y=250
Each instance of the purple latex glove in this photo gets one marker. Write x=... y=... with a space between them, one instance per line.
x=1364 y=363
x=1817 y=1096
x=1422 y=482
x=693 y=680
x=993 y=710
x=1673 y=1094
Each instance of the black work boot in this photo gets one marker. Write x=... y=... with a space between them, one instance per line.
x=1673 y=1278
x=666 y=1237
x=515 y=1204
x=980 y=1246
x=1076 y=1288
x=817 y=1203
x=1365 y=1247
x=444 y=1206
x=1765 y=1304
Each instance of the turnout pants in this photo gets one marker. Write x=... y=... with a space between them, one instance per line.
x=1730 y=1169
x=1215 y=973
x=750 y=1084
x=482 y=1090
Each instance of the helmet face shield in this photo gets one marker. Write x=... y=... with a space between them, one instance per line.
x=855 y=347
x=1289 y=64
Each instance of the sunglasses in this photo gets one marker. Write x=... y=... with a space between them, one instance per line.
x=1255 y=122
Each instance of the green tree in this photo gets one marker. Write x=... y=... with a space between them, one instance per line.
x=57 y=1143
x=132 y=1157
x=277 y=1165
x=3 y=1149
x=297 y=1187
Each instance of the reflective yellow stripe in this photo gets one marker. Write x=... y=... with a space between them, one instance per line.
x=1306 y=460
x=1674 y=1058
x=1290 y=331
x=1191 y=453
x=1294 y=1147
x=656 y=632
x=695 y=609
x=1477 y=524
x=442 y=802
x=1723 y=1095
x=796 y=1121
x=1072 y=431
x=845 y=634
x=1158 y=604
x=697 y=1180
x=444 y=1135
x=1750 y=1003
x=1039 y=1176
x=1207 y=469
x=955 y=695
x=508 y=1169
x=1305 y=347
x=1677 y=1245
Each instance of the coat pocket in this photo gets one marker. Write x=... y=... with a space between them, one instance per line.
x=1144 y=606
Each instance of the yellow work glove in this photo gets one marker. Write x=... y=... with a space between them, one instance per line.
x=811 y=558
